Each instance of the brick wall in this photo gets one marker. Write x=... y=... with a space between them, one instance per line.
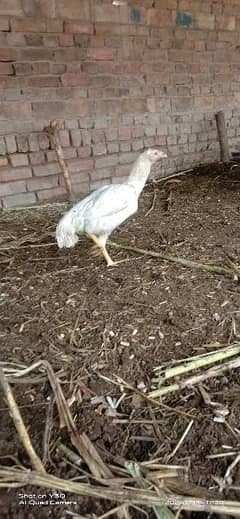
x=119 y=79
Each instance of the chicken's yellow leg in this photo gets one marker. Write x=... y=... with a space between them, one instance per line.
x=104 y=251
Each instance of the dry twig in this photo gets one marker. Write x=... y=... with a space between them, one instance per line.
x=19 y=424
x=176 y=259
x=193 y=381
x=52 y=131
x=12 y=477
x=191 y=364
x=181 y=440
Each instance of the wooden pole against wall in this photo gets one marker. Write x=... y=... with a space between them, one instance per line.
x=222 y=135
x=53 y=133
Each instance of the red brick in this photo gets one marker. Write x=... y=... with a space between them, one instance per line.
x=76 y=138
x=3 y=39
x=86 y=137
x=122 y=171
x=138 y=131
x=109 y=13
x=77 y=107
x=124 y=133
x=54 y=26
x=22 y=200
x=80 y=165
x=44 y=81
x=127 y=158
x=204 y=102
x=108 y=161
x=28 y=25
x=12 y=8
x=159 y=17
x=125 y=146
x=48 y=108
x=4 y=24
x=46 y=169
x=2 y=146
x=134 y=105
x=40 y=68
x=58 y=68
x=113 y=147
x=74 y=9
x=111 y=134
x=205 y=21
x=11 y=174
x=160 y=141
x=11 y=188
x=44 y=8
x=35 y=184
x=75 y=28
x=15 y=39
x=15 y=110
x=84 y=151
x=69 y=54
x=56 y=193
x=181 y=103
x=115 y=28
x=34 y=40
x=82 y=40
x=11 y=143
x=3 y=161
x=50 y=41
x=64 y=138
x=100 y=174
x=66 y=40
x=137 y=145
x=37 y=158
x=227 y=23
x=98 y=136
x=80 y=177
x=51 y=156
x=8 y=55
x=6 y=69
x=18 y=159
x=81 y=188
x=100 y=54
x=22 y=144
x=70 y=153
x=157 y=104
x=22 y=69
x=43 y=141
x=38 y=54
x=99 y=149
x=75 y=79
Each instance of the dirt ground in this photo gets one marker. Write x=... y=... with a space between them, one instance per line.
x=88 y=321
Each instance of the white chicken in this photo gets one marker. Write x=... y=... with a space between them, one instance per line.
x=106 y=208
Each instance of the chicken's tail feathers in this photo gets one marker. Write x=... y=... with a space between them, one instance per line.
x=66 y=235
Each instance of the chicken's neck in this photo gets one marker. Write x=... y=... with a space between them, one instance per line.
x=139 y=174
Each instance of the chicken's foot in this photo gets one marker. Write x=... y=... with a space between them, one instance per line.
x=103 y=249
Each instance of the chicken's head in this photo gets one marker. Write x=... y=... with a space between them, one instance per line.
x=154 y=155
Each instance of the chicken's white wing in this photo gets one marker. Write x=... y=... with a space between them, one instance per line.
x=111 y=200
x=107 y=207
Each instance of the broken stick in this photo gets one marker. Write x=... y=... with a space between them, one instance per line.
x=222 y=135
x=19 y=424
x=52 y=131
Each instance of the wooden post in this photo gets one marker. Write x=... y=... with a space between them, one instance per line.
x=52 y=131
x=222 y=135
